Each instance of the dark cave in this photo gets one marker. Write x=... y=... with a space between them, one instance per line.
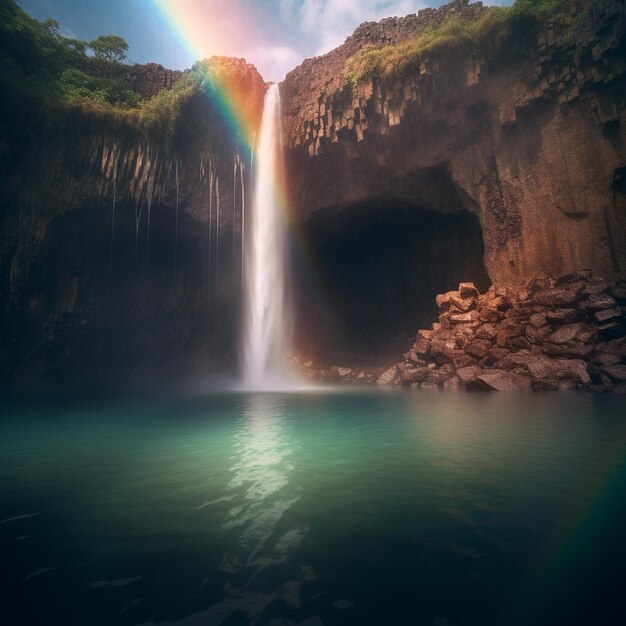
x=375 y=269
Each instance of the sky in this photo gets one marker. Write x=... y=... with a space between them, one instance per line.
x=274 y=35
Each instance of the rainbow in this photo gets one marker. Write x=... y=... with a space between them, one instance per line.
x=201 y=36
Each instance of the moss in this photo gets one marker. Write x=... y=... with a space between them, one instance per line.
x=491 y=33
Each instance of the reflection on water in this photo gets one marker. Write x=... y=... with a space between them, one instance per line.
x=263 y=458
x=316 y=509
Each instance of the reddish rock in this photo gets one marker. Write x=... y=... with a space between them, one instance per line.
x=616 y=372
x=469 y=374
x=608 y=315
x=537 y=335
x=487 y=331
x=567 y=294
x=538 y=320
x=468 y=290
x=562 y=316
x=598 y=302
x=478 y=348
x=421 y=347
x=501 y=380
x=464 y=318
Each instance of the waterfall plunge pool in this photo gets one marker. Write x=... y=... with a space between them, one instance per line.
x=322 y=508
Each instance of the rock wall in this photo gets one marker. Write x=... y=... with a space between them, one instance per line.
x=121 y=246
x=150 y=78
x=532 y=141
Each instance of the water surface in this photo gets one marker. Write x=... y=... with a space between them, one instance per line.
x=325 y=508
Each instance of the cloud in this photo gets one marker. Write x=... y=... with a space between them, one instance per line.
x=273 y=62
x=334 y=20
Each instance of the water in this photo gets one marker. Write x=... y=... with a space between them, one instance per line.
x=327 y=508
x=268 y=324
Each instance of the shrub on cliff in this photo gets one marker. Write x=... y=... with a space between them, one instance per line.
x=490 y=33
x=36 y=58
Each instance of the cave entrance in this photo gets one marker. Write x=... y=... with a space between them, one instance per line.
x=376 y=269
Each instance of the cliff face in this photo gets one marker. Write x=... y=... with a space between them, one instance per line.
x=121 y=246
x=531 y=143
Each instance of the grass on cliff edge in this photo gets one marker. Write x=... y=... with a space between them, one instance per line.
x=489 y=33
x=37 y=61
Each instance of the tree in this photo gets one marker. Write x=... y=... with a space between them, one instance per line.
x=110 y=48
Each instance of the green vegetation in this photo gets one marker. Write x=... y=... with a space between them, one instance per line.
x=491 y=33
x=36 y=58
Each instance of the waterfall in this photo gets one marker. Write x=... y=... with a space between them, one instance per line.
x=268 y=323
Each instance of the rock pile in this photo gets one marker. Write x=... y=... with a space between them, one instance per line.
x=564 y=333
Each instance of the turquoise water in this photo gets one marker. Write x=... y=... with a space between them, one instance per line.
x=327 y=508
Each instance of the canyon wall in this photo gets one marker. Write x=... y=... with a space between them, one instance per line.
x=531 y=141
x=122 y=244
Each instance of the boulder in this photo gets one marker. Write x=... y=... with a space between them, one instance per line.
x=564 y=295
x=608 y=315
x=600 y=301
x=487 y=331
x=563 y=316
x=443 y=299
x=464 y=318
x=421 y=347
x=617 y=372
x=537 y=335
x=389 y=376
x=468 y=290
x=537 y=320
x=469 y=374
x=478 y=348
x=501 y=380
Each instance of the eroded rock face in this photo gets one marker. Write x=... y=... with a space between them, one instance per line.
x=532 y=142
x=150 y=78
x=121 y=248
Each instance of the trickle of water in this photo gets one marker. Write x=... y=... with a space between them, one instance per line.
x=268 y=315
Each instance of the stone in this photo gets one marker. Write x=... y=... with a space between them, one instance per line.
x=520 y=343
x=501 y=380
x=606 y=358
x=490 y=316
x=620 y=390
x=542 y=282
x=616 y=372
x=598 y=302
x=564 y=334
x=478 y=348
x=564 y=295
x=537 y=335
x=595 y=286
x=468 y=290
x=463 y=304
x=537 y=320
x=415 y=375
x=464 y=318
x=570 y=348
x=469 y=374
x=544 y=385
x=389 y=376
x=504 y=336
x=487 y=331
x=562 y=316
x=581 y=275
x=619 y=293
x=611 y=330
x=608 y=315
x=421 y=347
x=443 y=299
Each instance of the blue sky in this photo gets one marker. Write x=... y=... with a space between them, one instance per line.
x=274 y=35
